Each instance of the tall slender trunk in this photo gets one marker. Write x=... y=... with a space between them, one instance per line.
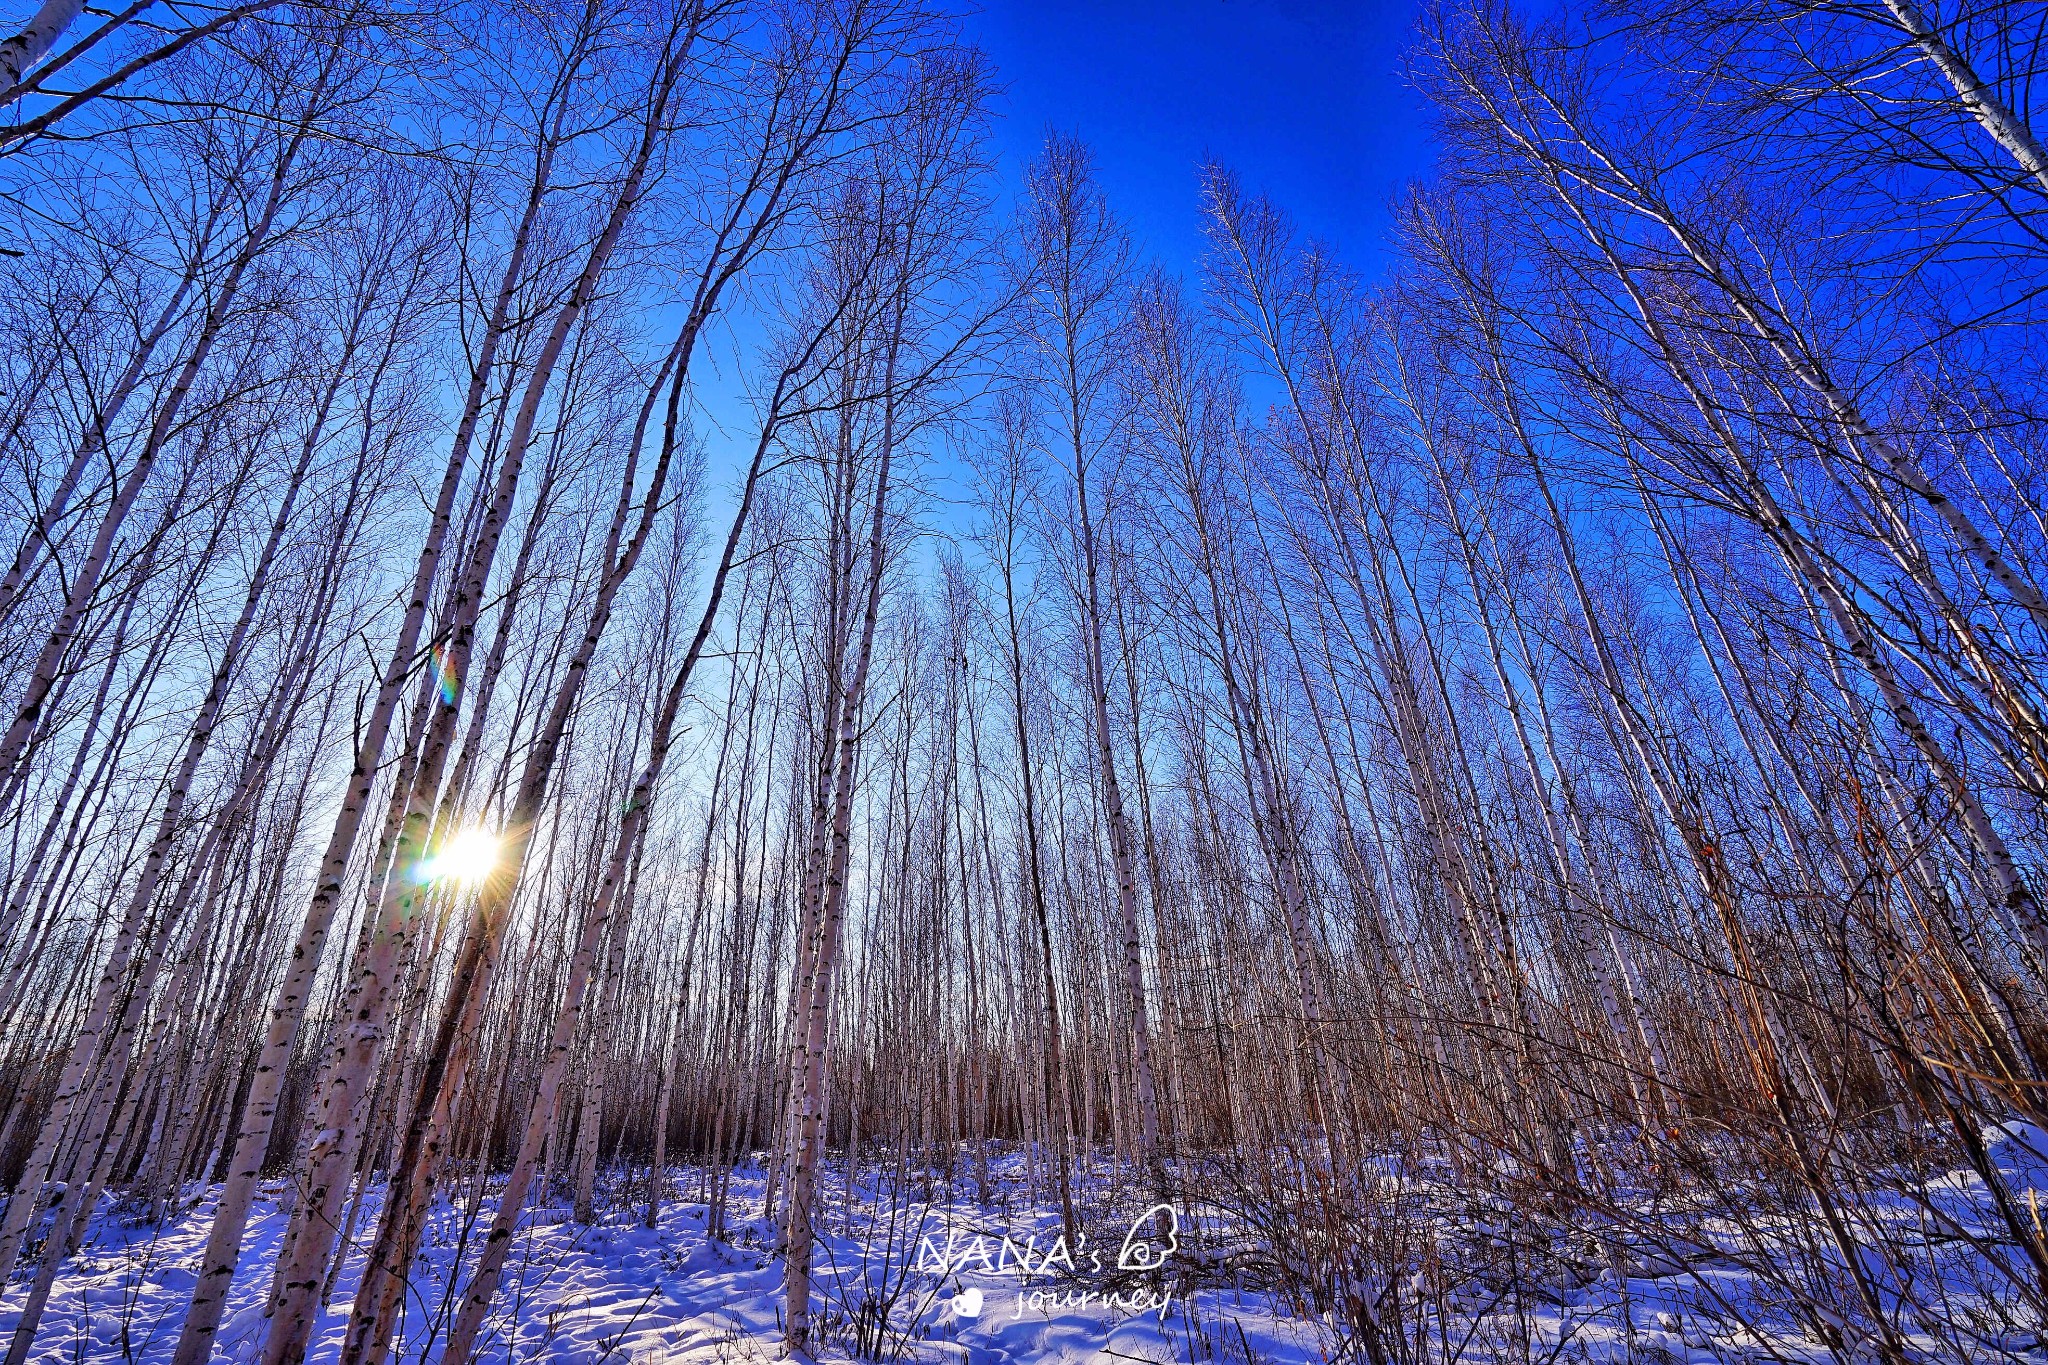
x=288 y=1009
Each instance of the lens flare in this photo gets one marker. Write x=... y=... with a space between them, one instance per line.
x=467 y=858
x=444 y=676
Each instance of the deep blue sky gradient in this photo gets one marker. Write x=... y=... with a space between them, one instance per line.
x=1305 y=99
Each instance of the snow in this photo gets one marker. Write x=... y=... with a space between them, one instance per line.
x=900 y=1275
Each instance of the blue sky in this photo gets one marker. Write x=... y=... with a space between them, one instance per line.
x=1304 y=98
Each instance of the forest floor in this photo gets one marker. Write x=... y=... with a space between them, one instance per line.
x=905 y=1272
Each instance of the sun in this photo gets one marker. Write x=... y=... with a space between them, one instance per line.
x=467 y=858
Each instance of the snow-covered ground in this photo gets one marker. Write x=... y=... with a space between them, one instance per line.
x=906 y=1272
x=620 y=1292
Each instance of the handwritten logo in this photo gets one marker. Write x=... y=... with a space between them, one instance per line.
x=1152 y=1240
x=1138 y=1253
